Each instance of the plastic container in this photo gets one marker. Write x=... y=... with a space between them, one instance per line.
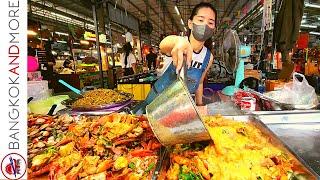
x=38 y=90
x=42 y=107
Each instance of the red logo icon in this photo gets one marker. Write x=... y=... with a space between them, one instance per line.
x=13 y=166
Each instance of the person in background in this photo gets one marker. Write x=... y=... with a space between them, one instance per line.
x=67 y=63
x=152 y=59
x=67 y=67
x=197 y=50
x=128 y=60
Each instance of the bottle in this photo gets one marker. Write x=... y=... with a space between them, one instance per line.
x=262 y=87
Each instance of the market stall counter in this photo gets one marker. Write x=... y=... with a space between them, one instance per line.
x=138 y=84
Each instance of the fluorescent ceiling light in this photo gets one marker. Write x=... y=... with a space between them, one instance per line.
x=314 y=33
x=32 y=33
x=61 y=16
x=90 y=25
x=182 y=22
x=61 y=33
x=308 y=26
x=62 y=41
x=76 y=43
x=312 y=5
x=261 y=9
x=177 y=10
x=43 y=39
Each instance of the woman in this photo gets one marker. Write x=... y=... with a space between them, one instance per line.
x=127 y=60
x=201 y=23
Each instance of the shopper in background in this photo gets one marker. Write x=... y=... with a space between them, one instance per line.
x=196 y=48
x=67 y=63
x=152 y=59
x=128 y=61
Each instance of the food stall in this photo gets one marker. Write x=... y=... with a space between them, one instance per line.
x=93 y=135
x=114 y=144
x=123 y=146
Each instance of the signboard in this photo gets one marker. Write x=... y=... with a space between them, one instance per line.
x=89 y=36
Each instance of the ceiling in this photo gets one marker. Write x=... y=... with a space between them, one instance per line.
x=161 y=13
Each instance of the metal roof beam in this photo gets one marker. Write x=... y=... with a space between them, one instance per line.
x=51 y=9
x=76 y=6
x=154 y=11
x=228 y=8
x=141 y=11
x=170 y=15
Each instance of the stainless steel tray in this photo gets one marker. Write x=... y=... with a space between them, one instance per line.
x=281 y=144
x=303 y=139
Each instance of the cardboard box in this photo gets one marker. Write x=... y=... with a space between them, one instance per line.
x=252 y=73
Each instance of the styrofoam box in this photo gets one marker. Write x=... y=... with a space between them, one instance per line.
x=38 y=90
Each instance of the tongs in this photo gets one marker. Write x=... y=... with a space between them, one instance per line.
x=163 y=157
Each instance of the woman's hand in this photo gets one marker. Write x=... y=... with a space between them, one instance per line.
x=181 y=49
x=177 y=47
x=203 y=110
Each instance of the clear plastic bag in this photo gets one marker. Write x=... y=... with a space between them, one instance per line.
x=298 y=92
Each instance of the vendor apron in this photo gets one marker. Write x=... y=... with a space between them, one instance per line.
x=194 y=74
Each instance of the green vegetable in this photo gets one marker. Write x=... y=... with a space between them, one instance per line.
x=189 y=175
x=132 y=165
x=106 y=141
x=294 y=176
x=51 y=149
x=184 y=176
x=135 y=143
x=150 y=167
x=184 y=169
x=100 y=128
x=200 y=176
x=185 y=147
x=198 y=146
x=54 y=133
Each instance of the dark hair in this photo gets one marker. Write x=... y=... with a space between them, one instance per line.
x=203 y=5
x=127 y=49
x=66 y=63
x=194 y=12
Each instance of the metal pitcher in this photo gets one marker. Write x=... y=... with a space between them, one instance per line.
x=173 y=115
